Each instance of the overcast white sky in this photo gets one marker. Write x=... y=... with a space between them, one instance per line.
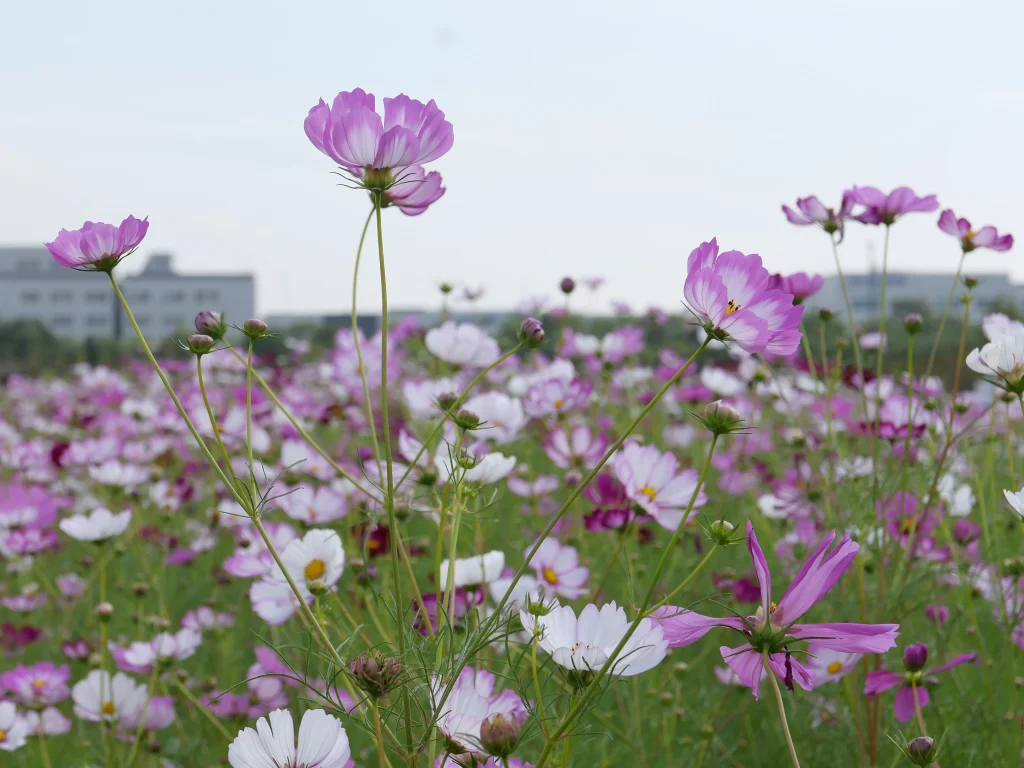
x=590 y=138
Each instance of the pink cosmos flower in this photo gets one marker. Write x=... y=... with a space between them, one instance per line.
x=30 y=541
x=557 y=396
x=542 y=485
x=773 y=629
x=558 y=569
x=914 y=659
x=414 y=191
x=204 y=617
x=653 y=482
x=473 y=700
x=800 y=284
x=574 y=448
x=729 y=295
x=97 y=246
x=351 y=133
x=881 y=208
x=810 y=210
x=986 y=237
x=37 y=685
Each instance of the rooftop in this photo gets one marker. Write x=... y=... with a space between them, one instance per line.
x=34 y=262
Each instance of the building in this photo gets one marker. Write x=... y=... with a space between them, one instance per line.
x=82 y=305
x=908 y=288
x=369 y=324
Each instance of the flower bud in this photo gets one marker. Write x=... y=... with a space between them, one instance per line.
x=200 y=343
x=971 y=281
x=254 y=329
x=938 y=614
x=825 y=315
x=140 y=588
x=211 y=323
x=104 y=611
x=568 y=285
x=375 y=674
x=447 y=400
x=922 y=750
x=915 y=657
x=499 y=734
x=466 y=419
x=721 y=419
x=446 y=288
x=531 y=333
x=913 y=323
x=721 y=532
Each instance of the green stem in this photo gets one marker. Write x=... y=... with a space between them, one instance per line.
x=248 y=424
x=489 y=624
x=381 y=752
x=389 y=495
x=782 y=710
x=202 y=708
x=642 y=612
x=945 y=314
x=359 y=349
x=142 y=716
x=849 y=314
x=687 y=580
x=210 y=414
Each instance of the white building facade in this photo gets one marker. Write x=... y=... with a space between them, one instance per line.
x=82 y=305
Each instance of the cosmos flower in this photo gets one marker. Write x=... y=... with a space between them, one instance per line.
x=542 y=485
x=162 y=649
x=99 y=525
x=204 y=617
x=12 y=728
x=577 y=447
x=414 y=191
x=462 y=344
x=322 y=742
x=1002 y=357
x=828 y=665
x=773 y=628
x=801 y=285
x=473 y=700
x=811 y=211
x=558 y=569
x=585 y=644
x=555 y=397
x=112 y=699
x=37 y=685
x=915 y=657
x=728 y=293
x=501 y=416
x=314 y=505
x=1016 y=500
x=652 y=480
x=882 y=208
x=474 y=571
x=997 y=324
x=98 y=246
x=986 y=237
x=315 y=562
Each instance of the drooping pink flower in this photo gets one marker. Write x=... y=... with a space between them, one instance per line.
x=810 y=210
x=352 y=134
x=652 y=481
x=729 y=295
x=801 y=285
x=986 y=237
x=773 y=628
x=98 y=246
x=915 y=657
x=882 y=208
x=613 y=508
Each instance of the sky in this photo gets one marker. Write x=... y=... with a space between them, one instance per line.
x=596 y=138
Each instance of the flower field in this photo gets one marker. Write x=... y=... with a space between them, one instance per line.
x=537 y=546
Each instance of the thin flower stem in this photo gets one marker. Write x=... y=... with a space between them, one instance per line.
x=537 y=688
x=105 y=658
x=303 y=433
x=142 y=716
x=210 y=414
x=687 y=580
x=242 y=502
x=849 y=314
x=191 y=697
x=359 y=349
x=642 y=613
x=381 y=751
x=782 y=710
x=44 y=753
x=489 y=624
x=459 y=400
x=248 y=421
x=945 y=315
x=389 y=489
x=879 y=359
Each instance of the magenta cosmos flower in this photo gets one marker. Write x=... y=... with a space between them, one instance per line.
x=653 y=482
x=986 y=237
x=772 y=630
x=914 y=658
x=801 y=285
x=730 y=296
x=810 y=211
x=384 y=155
x=881 y=208
x=97 y=246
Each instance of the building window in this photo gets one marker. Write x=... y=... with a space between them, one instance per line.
x=60 y=296
x=62 y=321
x=206 y=295
x=96 y=321
x=29 y=297
x=96 y=297
x=142 y=319
x=174 y=297
x=140 y=295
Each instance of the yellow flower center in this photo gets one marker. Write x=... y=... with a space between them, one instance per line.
x=969 y=235
x=731 y=307
x=3 y=735
x=649 y=492
x=907 y=526
x=315 y=570
x=38 y=684
x=550 y=576
x=772 y=608
x=559 y=403
x=834 y=667
x=107 y=708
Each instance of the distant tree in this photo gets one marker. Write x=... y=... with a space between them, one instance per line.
x=903 y=307
x=1008 y=305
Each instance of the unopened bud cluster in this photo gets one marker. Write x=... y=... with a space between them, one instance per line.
x=376 y=674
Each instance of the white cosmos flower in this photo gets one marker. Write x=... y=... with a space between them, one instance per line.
x=117 y=474
x=997 y=324
x=323 y=742
x=98 y=525
x=421 y=396
x=13 y=728
x=100 y=697
x=462 y=344
x=315 y=561
x=586 y=643
x=1016 y=501
x=470 y=571
x=501 y=416
x=163 y=647
x=721 y=382
x=1003 y=356
x=273 y=600
x=959 y=498
x=489 y=468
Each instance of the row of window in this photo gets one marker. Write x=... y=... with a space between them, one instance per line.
x=174 y=297
x=92 y=321
x=97 y=297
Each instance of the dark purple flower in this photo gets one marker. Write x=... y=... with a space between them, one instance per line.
x=882 y=680
x=986 y=237
x=938 y=614
x=16 y=638
x=881 y=208
x=915 y=656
